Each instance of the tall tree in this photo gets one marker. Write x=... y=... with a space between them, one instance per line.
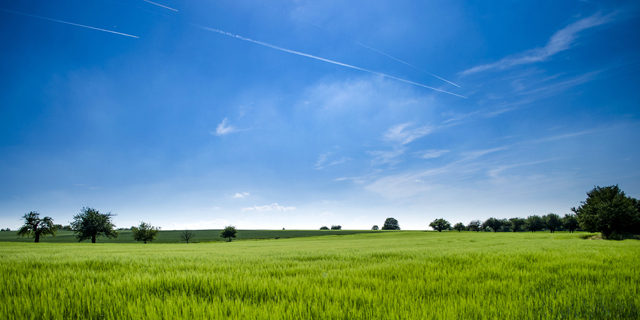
x=36 y=227
x=440 y=224
x=187 y=235
x=517 y=224
x=493 y=223
x=475 y=225
x=145 y=232
x=570 y=222
x=459 y=227
x=534 y=223
x=552 y=221
x=391 y=224
x=229 y=232
x=608 y=210
x=91 y=224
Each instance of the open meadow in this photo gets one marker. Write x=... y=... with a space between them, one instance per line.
x=384 y=275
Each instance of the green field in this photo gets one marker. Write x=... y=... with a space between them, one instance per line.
x=173 y=236
x=384 y=275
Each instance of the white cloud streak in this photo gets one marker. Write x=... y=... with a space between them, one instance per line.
x=560 y=41
x=325 y=60
x=159 y=5
x=399 y=133
x=71 y=23
x=430 y=154
x=272 y=207
x=241 y=195
x=224 y=129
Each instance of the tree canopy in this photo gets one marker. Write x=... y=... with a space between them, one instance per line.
x=324 y=228
x=493 y=223
x=375 y=227
x=534 y=223
x=187 y=235
x=391 y=224
x=229 y=232
x=570 y=222
x=552 y=221
x=517 y=224
x=475 y=225
x=440 y=224
x=36 y=227
x=608 y=210
x=91 y=224
x=145 y=232
x=459 y=227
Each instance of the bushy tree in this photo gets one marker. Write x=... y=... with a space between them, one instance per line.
x=145 y=232
x=336 y=227
x=493 y=223
x=570 y=222
x=36 y=227
x=440 y=224
x=517 y=224
x=552 y=221
x=459 y=227
x=324 y=228
x=534 y=223
x=229 y=232
x=475 y=225
x=375 y=227
x=91 y=224
x=187 y=235
x=608 y=210
x=391 y=224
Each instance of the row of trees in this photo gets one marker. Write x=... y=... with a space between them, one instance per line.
x=91 y=224
x=551 y=222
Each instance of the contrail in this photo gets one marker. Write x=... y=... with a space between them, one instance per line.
x=159 y=5
x=370 y=48
x=325 y=60
x=410 y=65
x=73 y=24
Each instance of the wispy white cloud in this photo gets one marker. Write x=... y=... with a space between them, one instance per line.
x=224 y=129
x=272 y=207
x=390 y=157
x=430 y=154
x=241 y=195
x=402 y=134
x=560 y=41
x=323 y=161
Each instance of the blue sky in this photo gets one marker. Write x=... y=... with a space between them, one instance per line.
x=299 y=114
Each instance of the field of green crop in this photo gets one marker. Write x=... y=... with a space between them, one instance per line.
x=389 y=275
x=173 y=236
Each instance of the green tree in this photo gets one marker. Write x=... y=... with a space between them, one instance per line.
x=145 y=232
x=493 y=223
x=517 y=224
x=324 y=228
x=608 y=210
x=229 y=232
x=375 y=227
x=570 y=222
x=36 y=227
x=534 y=223
x=391 y=224
x=336 y=227
x=475 y=225
x=91 y=224
x=440 y=224
x=552 y=221
x=187 y=235
x=459 y=226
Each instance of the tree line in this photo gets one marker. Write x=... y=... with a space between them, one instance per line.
x=90 y=224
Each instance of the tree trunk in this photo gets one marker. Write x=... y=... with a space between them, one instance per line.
x=93 y=239
x=37 y=237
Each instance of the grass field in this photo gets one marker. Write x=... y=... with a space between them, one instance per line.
x=385 y=275
x=173 y=236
